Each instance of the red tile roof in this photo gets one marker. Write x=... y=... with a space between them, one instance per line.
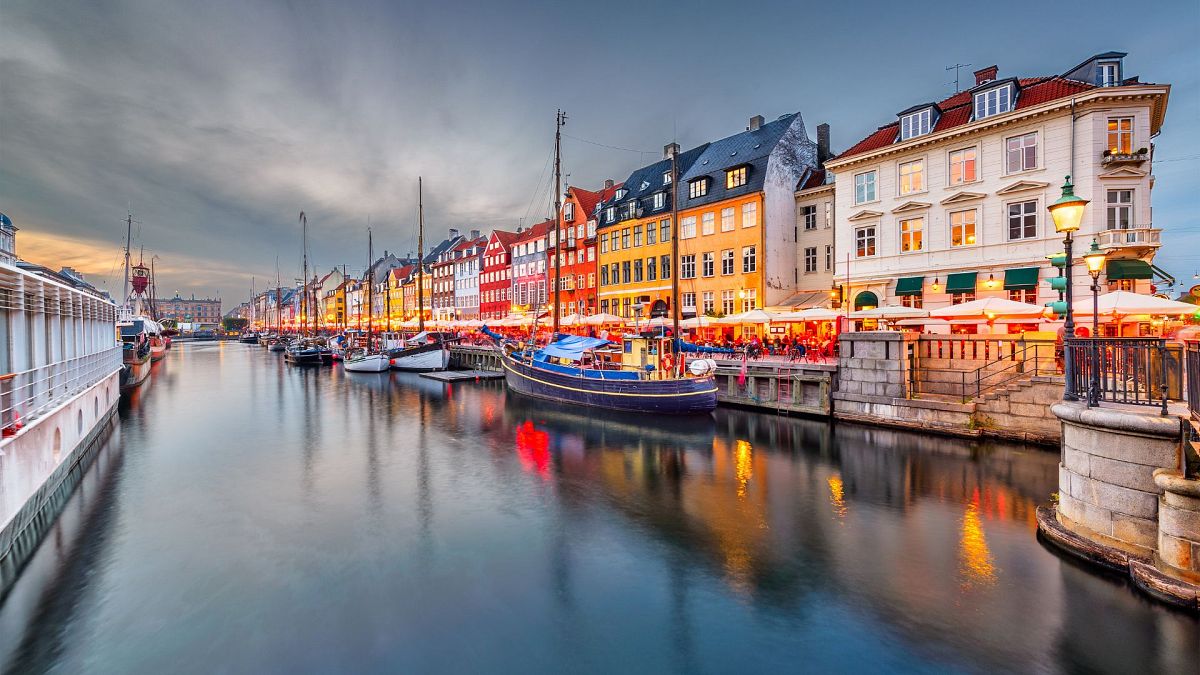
x=505 y=237
x=536 y=232
x=588 y=199
x=956 y=110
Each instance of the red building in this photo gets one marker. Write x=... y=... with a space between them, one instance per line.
x=577 y=253
x=495 y=278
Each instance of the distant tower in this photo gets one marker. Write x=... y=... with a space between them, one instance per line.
x=8 y=240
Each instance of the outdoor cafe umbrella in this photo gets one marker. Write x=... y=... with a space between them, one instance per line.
x=990 y=308
x=810 y=314
x=601 y=319
x=1124 y=303
x=754 y=316
x=569 y=320
x=890 y=312
x=698 y=322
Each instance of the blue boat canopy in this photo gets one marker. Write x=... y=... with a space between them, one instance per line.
x=572 y=346
x=700 y=349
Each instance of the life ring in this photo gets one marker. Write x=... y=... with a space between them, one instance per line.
x=667 y=362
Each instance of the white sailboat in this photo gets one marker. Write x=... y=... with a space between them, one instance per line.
x=424 y=351
x=361 y=359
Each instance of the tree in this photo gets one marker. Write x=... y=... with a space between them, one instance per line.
x=234 y=324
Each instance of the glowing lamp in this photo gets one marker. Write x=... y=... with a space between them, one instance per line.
x=936 y=286
x=991 y=282
x=1067 y=212
x=1094 y=259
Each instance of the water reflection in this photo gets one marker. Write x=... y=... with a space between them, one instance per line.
x=355 y=522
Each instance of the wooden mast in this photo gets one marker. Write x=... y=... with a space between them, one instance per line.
x=560 y=118
x=675 y=248
x=420 y=257
x=304 y=276
x=370 y=287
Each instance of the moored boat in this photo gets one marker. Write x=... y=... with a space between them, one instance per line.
x=135 y=352
x=308 y=353
x=249 y=337
x=359 y=361
x=422 y=352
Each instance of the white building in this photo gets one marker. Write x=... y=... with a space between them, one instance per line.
x=948 y=202
x=467 y=263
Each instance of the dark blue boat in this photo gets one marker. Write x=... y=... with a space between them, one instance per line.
x=634 y=375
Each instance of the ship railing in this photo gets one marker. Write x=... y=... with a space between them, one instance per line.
x=28 y=394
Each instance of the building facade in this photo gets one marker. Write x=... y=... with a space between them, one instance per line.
x=815 y=246
x=529 y=281
x=577 y=251
x=467 y=263
x=495 y=279
x=189 y=310
x=947 y=203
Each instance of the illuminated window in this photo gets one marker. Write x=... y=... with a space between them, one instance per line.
x=962 y=228
x=962 y=166
x=960 y=298
x=1021 y=152
x=1026 y=295
x=912 y=235
x=1120 y=135
x=912 y=177
x=698 y=188
x=914 y=301
x=864 y=242
x=916 y=124
x=750 y=301
x=735 y=177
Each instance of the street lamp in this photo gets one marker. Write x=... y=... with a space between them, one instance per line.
x=1067 y=214
x=1094 y=259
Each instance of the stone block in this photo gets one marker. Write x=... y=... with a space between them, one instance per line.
x=1064 y=478
x=1114 y=497
x=1125 y=447
x=998 y=407
x=1077 y=461
x=1092 y=517
x=1176 y=500
x=1124 y=474
x=1176 y=552
x=1140 y=531
x=893 y=390
x=1029 y=409
x=1179 y=523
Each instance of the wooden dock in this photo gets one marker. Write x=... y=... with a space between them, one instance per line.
x=462 y=375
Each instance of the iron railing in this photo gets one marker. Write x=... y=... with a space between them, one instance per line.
x=28 y=394
x=1192 y=375
x=1132 y=371
x=1031 y=359
x=1005 y=361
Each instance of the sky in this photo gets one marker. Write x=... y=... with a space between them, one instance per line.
x=216 y=123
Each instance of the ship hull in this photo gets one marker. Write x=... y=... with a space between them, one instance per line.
x=424 y=358
x=371 y=363
x=682 y=396
x=134 y=372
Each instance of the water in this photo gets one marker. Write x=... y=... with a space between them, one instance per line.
x=251 y=517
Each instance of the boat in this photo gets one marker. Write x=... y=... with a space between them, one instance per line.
x=308 y=353
x=159 y=343
x=361 y=359
x=135 y=352
x=249 y=337
x=358 y=360
x=423 y=352
x=279 y=344
x=631 y=374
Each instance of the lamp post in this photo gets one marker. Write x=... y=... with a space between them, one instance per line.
x=1094 y=259
x=1067 y=214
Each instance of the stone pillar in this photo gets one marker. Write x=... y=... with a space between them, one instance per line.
x=1179 y=524
x=1106 y=484
x=875 y=363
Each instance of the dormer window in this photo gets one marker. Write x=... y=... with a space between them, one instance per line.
x=631 y=209
x=660 y=200
x=698 y=188
x=993 y=101
x=916 y=124
x=735 y=177
x=666 y=178
x=569 y=211
x=1109 y=74
x=621 y=194
x=610 y=214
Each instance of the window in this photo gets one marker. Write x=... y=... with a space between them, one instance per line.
x=735 y=178
x=591 y=280
x=993 y=102
x=914 y=301
x=810 y=260
x=664 y=266
x=687 y=266
x=687 y=228
x=808 y=214
x=915 y=124
x=637 y=235
x=864 y=242
x=708 y=223
x=637 y=270
x=1120 y=209
x=727 y=219
x=1110 y=74
x=962 y=228
x=750 y=301
x=864 y=187
x=912 y=235
x=707 y=264
x=1026 y=295
x=614 y=274
x=727 y=262
x=1120 y=135
x=569 y=211
x=912 y=177
x=624 y=238
x=664 y=230
x=651 y=231
x=962 y=166
x=749 y=259
x=1022 y=220
x=604 y=306
x=709 y=305
x=626 y=307
x=610 y=214
x=631 y=209
x=960 y=298
x=626 y=272
x=621 y=192
x=828 y=215
x=666 y=178
x=828 y=257
x=1021 y=152
x=749 y=214
x=688 y=301
x=651 y=268
x=697 y=188
x=727 y=306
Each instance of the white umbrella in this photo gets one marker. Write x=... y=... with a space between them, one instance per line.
x=698 y=322
x=658 y=322
x=601 y=319
x=890 y=312
x=989 y=307
x=923 y=322
x=569 y=320
x=1123 y=303
x=810 y=314
x=753 y=316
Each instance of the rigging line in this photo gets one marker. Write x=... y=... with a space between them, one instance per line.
x=538 y=189
x=605 y=145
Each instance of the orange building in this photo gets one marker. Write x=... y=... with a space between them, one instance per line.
x=577 y=253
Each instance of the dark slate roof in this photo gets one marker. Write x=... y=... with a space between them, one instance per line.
x=442 y=246
x=643 y=183
x=751 y=148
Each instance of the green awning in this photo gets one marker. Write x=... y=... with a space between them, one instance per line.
x=1128 y=269
x=961 y=282
x=1020 y=279
x=1163 y=276
x=909 y=285
x=865 y=300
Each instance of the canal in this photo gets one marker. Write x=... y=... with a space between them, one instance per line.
x=247 y=516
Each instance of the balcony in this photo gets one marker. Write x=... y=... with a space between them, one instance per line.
x=1136 y=237
x=1110 y=158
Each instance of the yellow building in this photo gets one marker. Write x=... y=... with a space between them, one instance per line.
x=634 y=240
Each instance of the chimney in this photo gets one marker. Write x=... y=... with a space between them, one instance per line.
x=986 y=74
x=822 y=143
x=756 y=122
x=670 y=150
x=608 y=184
x=453 y=233
x=474 y=235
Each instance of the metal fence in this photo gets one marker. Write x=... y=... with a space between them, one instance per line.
x=1133 y=371
x=27 y=395
x=1192 y=374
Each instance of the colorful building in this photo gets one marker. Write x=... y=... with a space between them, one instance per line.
x=468 y=259
x=577 y=253
x=529 y=268
x=495 y=279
